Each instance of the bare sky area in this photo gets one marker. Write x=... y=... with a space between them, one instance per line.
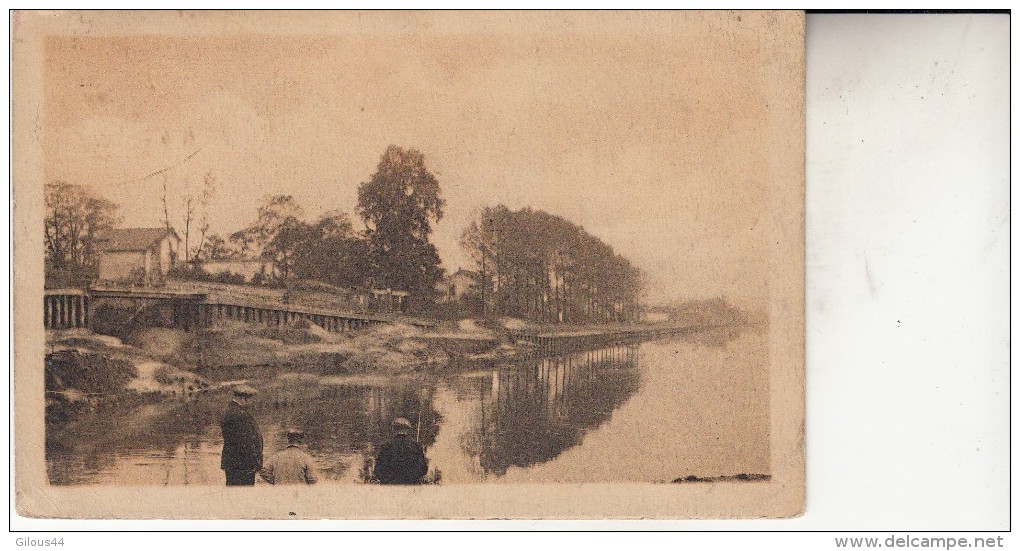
x=653 y=141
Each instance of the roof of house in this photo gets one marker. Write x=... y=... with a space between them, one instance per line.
x=132 y=239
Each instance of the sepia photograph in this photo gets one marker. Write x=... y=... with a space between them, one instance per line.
x=408 y=264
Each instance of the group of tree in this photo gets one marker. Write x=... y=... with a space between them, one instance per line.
x=325 y=249
x=75 y=219
x=538 y=266
x=532 y=264
x=398 y=206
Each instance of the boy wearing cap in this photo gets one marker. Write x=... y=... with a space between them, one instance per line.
x=242 y=441
x=292 y=465
x=401 y=460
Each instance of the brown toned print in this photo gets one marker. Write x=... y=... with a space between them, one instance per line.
x=409 y=265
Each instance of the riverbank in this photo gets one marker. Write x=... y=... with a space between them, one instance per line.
x=630 y=413
x=83 y=367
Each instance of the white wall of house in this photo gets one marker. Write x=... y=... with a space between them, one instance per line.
x=166 y=249
x=246 y=268
x=152 y=264
x=118 y=265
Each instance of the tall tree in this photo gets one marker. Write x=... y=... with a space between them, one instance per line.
x=166 y=206
x=399 y=204
x=204 y=201
x=539 y=266
x=278 y=211
x=189 y=214
x=75 y=218
x=283 y=248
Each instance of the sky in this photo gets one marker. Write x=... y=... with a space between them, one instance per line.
x=652 y=140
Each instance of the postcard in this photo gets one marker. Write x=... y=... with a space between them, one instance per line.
x=408 y=265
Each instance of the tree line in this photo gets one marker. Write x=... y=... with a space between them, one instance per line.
x=75 y=219
x=539 y=266
x=531 y=264
x=397 y=205
x=326 y=249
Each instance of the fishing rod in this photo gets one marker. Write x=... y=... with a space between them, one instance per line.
x=421 y=406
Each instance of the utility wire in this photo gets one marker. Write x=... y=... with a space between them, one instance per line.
x=160 y=171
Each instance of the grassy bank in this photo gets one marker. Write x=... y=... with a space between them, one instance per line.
x=83 y=367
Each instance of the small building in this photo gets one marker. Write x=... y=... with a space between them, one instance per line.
x=388 y=300
x=247 y=268
x=454 y=287
x=137 y=255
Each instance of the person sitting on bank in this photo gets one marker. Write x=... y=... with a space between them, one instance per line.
x=242 y=441
x=401 y=460
x=292 y=465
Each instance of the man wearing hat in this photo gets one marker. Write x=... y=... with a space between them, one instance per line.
x=292 y=465
x=242 y=441
x=401 y=460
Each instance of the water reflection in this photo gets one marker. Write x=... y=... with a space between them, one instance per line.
x=530 y=412
x=174 y=442
x=344 y=422
x=475 y=426
x=149 y=432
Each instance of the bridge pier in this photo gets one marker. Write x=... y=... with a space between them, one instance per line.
x=65 y=309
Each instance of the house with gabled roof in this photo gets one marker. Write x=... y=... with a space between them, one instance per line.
x=137 y=255
x=455 y=286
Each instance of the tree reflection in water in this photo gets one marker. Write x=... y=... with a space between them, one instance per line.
x=524 y=413
x=536 y=409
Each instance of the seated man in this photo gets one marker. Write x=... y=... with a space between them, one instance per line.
x=292 y=465
x=401 y=460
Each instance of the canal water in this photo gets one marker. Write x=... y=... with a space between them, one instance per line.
x=656 y=411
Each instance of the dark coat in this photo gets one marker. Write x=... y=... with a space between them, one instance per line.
x=401 y=461
x=242 y=441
